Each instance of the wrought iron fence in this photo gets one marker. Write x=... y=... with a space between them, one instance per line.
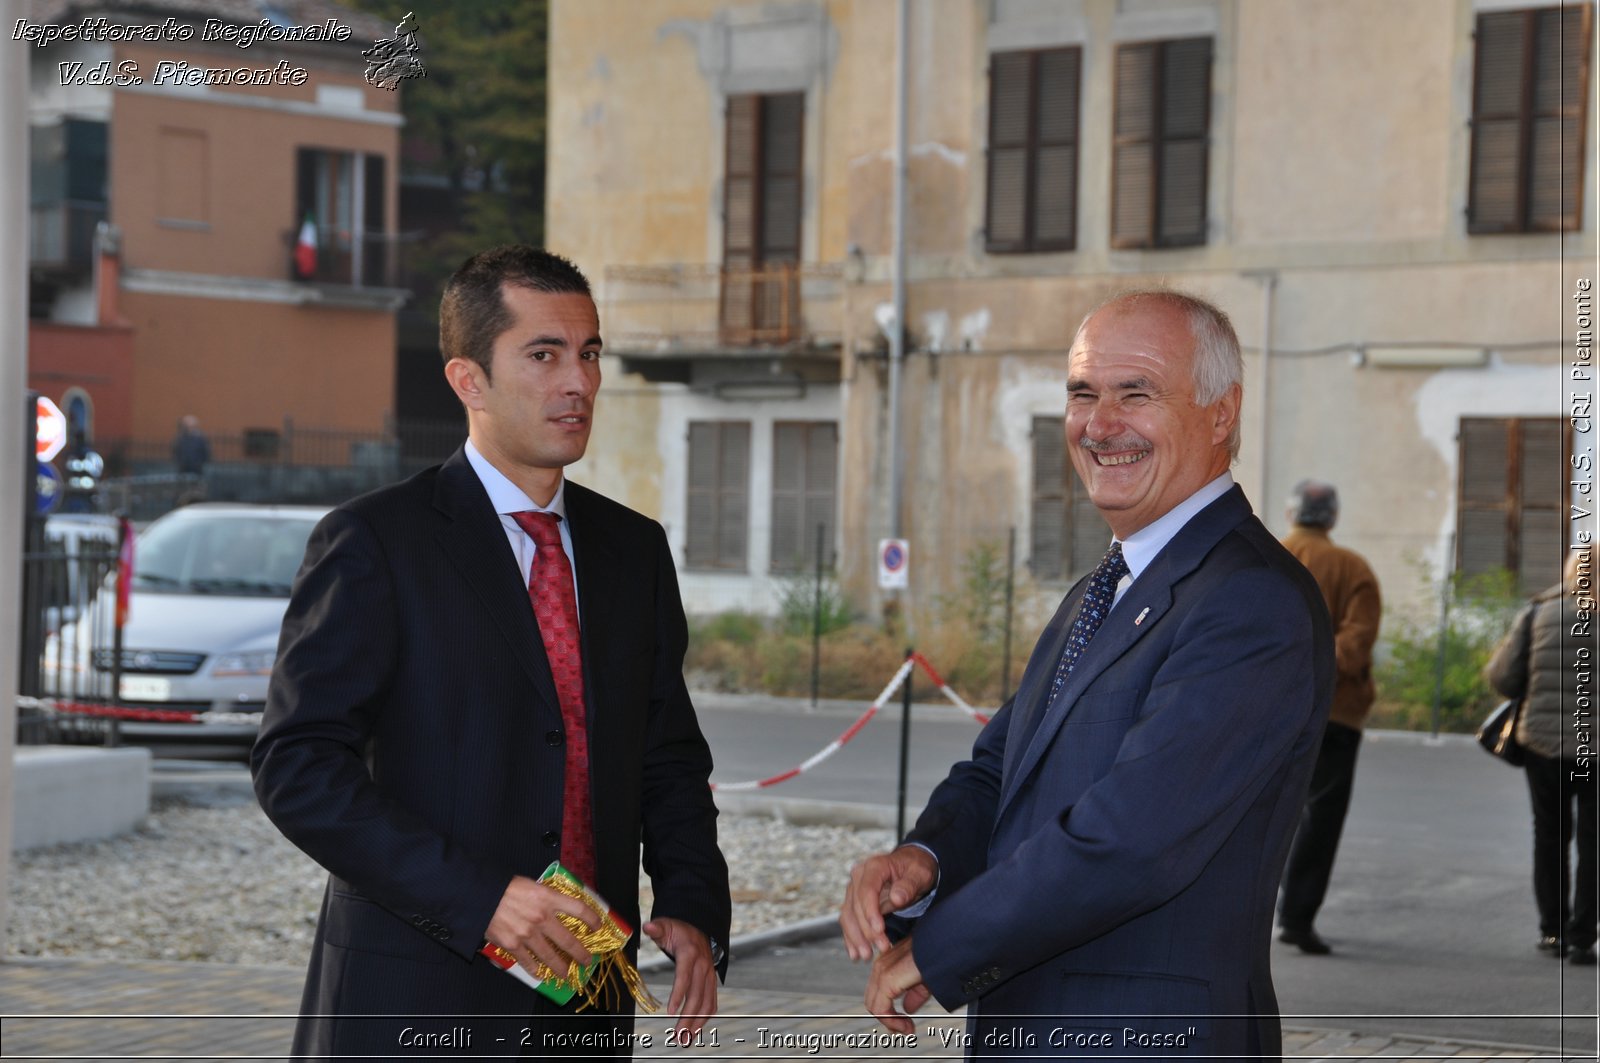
x=285 y=463
x=68 y=583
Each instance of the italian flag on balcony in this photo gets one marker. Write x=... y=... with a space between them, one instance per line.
x=305 y=250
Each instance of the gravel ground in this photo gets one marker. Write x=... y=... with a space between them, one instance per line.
x=210 y=879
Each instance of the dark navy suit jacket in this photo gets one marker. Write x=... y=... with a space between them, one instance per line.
x=1109 y=858
x=412 y=744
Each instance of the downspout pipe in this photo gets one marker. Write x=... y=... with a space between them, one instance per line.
x=897 y=332
x=1269 y=285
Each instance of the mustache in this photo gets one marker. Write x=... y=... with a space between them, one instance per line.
x=1123 y=442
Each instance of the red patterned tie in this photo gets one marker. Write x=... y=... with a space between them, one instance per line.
x=555 y=607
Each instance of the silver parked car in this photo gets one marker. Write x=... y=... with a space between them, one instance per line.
x=211 y=583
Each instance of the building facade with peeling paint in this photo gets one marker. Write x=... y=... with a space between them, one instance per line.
x=1394 y=202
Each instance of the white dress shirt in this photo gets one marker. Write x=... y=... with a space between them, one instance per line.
x=507 y=498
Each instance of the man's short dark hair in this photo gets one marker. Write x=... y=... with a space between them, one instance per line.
x=472 y=312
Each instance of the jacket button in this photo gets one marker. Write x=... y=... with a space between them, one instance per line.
x=552 y=738
x=551 y=838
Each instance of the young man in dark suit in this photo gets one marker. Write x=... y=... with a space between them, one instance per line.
x=1099 y=878
x=480 y=672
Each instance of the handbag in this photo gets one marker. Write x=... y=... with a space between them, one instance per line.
x=1498 y=734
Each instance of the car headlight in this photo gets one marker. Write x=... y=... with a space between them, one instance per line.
x=260 y=663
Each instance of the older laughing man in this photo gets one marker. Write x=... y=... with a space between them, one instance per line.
x=1106 y=863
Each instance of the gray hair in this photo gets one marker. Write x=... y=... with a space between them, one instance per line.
x=1217 y=364
x=1314 y=504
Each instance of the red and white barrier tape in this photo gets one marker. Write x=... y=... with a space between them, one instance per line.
x=832 y=747
x=944 y=688
x=132 y=715
x=916 y=659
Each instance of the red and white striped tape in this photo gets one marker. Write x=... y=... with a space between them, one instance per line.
x=832 y=747
x=916 y=659
x=57 y=707
x=944 y=688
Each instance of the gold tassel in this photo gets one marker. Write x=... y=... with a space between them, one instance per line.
x=605 y=941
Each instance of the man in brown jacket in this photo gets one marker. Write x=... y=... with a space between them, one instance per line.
x=1351 y=591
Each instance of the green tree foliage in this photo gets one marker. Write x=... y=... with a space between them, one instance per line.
x=475 y=126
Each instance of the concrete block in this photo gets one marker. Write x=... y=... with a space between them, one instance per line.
x=70 y=794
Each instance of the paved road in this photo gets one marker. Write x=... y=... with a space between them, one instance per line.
x=1430 y=912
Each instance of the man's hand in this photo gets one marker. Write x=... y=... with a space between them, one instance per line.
x=895 y=975
x=526 y=924
x=881 y=884
x=694 y=987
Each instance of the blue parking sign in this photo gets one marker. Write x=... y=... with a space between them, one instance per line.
x=47 y=493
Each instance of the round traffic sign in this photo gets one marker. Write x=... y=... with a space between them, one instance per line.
x=51 y=435
x=894 y=556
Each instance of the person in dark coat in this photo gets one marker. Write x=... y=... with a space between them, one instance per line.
x=1547 y=662
x=191 y=450
x=481 y=672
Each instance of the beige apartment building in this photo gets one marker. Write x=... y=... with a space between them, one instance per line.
x=208 y=176
x=1394 y=201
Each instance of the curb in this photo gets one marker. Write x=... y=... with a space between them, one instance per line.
x=810 y=811
x=816 y=929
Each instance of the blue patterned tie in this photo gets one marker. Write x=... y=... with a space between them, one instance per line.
x=1092 y=611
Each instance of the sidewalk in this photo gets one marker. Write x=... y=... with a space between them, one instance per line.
x=57 y=1009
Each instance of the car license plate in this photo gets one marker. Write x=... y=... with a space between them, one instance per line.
x=146 y=688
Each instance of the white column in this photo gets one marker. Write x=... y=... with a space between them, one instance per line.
x=13 y=384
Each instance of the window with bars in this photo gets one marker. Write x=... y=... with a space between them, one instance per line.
x=1160 y=143
x=1033 y=150
x=762 y=186
x=1511 y=503
x=717 y=518
x=805 y=469
x=1068 y=534
x=1530 y=81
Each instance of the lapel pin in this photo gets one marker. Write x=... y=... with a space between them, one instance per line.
x=1142 y=614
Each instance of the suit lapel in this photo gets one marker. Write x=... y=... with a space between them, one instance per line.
x=1139 y=611
x=1033 y=689
x=475 y=542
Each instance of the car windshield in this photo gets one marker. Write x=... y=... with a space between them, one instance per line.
x=234 y=555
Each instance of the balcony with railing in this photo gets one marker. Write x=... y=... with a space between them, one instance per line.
x=697 y=309
x=357 y=269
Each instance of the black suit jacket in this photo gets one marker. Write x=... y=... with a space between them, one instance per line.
x=412 y=745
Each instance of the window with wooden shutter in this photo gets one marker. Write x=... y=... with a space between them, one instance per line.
x=1033 y=150
x=805 y=469
x=1529 y=87
x=763 y=185
x=717 y=516
x=1511 y=506
x=1161 y=143
x=1068 y=534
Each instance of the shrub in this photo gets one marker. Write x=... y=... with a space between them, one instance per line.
x=801 y=602
x=1421 y=663
x=741 y=629
x=980 y=604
